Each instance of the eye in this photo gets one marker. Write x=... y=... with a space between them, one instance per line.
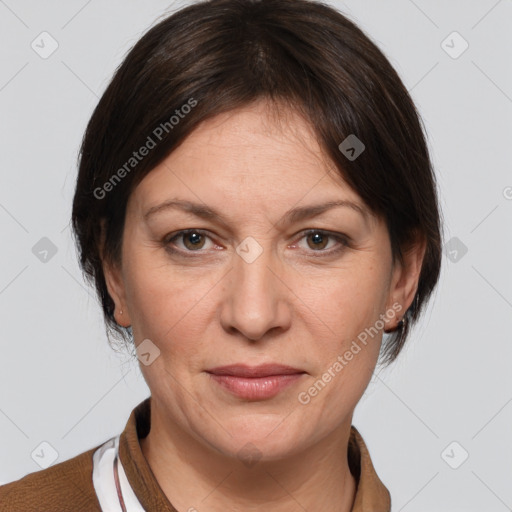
x=317 y=240
x=193 y=240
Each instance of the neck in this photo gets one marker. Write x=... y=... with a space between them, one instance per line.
x=195 y=476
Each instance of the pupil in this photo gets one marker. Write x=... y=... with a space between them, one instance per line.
x=318 y=239
x=194 y=237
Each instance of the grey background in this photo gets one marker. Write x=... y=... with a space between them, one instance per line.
x=61 y=383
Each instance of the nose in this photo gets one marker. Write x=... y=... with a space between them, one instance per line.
x=256 y=297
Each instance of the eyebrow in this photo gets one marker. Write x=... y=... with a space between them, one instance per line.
x=291 y=216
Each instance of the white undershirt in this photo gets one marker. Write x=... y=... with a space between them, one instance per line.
x=104 y=482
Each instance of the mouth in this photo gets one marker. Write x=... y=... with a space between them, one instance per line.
x=264 y=370
x=255 y=382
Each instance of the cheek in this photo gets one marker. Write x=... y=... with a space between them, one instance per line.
x=170 y=307
x=344 y=358
x=345 y=349
x=346 y=303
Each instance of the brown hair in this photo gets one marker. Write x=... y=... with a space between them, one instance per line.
x=215 y=56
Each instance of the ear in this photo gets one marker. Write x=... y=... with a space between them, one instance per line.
x=115 y=284
x=405 y=277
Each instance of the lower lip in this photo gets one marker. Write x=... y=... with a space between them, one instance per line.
x=256 y=388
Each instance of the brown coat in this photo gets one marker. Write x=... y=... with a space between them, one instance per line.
x=68 y=487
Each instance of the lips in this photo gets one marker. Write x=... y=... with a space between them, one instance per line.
x=255 y=382
x=246 y=371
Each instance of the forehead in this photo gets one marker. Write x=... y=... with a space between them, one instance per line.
x=254 y=156
x=260 y=133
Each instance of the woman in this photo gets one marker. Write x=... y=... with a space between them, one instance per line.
x=255 y=206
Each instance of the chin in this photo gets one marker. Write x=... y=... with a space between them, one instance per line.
x=263 y=437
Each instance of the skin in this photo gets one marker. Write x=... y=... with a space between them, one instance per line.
x=296 y=304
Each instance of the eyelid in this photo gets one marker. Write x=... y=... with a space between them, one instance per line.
x=343 y=240
x=177 y=234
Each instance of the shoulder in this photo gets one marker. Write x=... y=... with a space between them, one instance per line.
x=66 y=486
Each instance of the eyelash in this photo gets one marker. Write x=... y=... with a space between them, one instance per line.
x=342 y=240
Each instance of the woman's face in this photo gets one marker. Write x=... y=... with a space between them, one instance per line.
x=247 y=286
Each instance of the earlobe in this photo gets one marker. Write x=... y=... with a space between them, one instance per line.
x=116 y=290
